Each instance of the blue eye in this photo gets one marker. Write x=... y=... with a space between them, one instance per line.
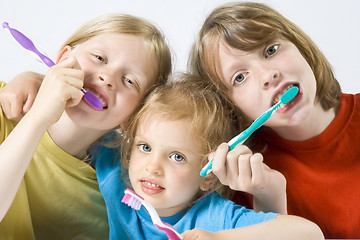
x=240 y=78
x=177 y=157
x=144 y=147
x=128 y=80
x=100 y=58
x=271 y=50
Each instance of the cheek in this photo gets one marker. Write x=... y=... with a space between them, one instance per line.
x=134 y=166
x=246 y=100
x=125 y=106
x=189 y=182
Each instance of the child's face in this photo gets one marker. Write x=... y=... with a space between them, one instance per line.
x=119 y=69
x=165 y=164
x=256 y=80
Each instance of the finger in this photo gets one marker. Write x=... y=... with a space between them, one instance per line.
x=233 y=161
x=28 y=103
x=219 y=162
x=69 y=67
x=15 y=109
x=257 y=168
x=69 y=93
x=70 y=62
x=74 y=77
x=245 y=173
x=75 y=98
x=211 y=155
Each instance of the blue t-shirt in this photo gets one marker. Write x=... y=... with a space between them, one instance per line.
x=212 y=213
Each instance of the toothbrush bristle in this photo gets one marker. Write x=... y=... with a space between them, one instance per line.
x=131 y=199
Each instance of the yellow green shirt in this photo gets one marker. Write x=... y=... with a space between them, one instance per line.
x=59 y=197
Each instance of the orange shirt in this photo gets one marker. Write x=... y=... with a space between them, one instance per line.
x=323 y=173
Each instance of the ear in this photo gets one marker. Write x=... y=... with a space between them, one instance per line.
x=64 y=54
x=207 y=182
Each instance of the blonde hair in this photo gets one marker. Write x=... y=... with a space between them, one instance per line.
x=128 y=24
x=248 y=26
x=185 y=97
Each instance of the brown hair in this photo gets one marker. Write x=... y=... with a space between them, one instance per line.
x=248 y=26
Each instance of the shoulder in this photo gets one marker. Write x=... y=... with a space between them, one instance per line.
x=348 y=98
x=107 y=165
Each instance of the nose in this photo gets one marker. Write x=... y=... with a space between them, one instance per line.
x=154 y=165
x=108 y=78
x=270 y=75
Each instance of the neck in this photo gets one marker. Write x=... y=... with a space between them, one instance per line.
x=317 y=121
x=72 y=138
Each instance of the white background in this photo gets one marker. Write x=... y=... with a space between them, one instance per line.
x=332 y=24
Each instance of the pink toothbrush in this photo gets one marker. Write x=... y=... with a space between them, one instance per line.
x=134 y=201
x=26 y=43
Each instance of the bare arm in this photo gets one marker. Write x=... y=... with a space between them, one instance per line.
x=18 y=95
x=283 y=227
x=61 y=86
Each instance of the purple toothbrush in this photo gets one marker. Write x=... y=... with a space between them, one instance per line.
x=26 y=43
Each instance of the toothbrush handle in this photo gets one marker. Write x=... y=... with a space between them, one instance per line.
x=252 y=128
x=26 y=43
x=171 y=234
x=241 y=138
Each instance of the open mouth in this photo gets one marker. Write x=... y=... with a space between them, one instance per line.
x=99 y=96
x=150 y=187
x=279 y=94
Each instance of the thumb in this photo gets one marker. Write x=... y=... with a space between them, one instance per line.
x=28 y=103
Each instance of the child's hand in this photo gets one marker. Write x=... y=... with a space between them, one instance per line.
x=242 y=170
x=18 y=95
x=61 y=88
x=197 y=234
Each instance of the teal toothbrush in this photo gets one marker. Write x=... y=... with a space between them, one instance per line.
x=239 y=139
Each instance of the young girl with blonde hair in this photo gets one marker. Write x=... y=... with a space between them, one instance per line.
x=165 y=146
x=48 y=185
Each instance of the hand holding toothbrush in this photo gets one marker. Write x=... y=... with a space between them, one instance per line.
x=26 y=43
x=242 y=170
x=67 y=78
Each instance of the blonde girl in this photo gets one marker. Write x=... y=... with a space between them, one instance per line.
x=49 y=190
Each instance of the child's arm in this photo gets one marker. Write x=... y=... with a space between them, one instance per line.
x=285 y=227
x=18 y=95
x=60 y=88
x=242 y=170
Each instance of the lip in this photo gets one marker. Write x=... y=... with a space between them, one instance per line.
x=150 y=186
x=99 y=93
